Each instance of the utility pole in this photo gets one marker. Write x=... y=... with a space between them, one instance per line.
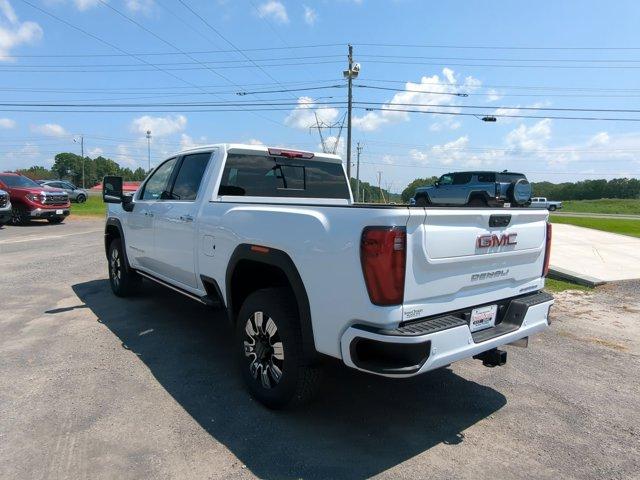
x=380 y=185
x=149 y=150
x=350 y=74
x=358 y=151
x=75 y=140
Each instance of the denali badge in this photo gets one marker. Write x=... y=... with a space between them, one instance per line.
x=476 y=277
x=487 y=241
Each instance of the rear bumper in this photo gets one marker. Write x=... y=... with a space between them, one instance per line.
x=49 y=212
x=435 y=342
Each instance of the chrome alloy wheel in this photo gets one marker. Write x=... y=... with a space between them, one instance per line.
x=263 y=348
x=116 y=267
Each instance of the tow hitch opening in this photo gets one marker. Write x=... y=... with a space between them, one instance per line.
x=492 y=358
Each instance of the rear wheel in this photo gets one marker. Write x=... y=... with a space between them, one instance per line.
x=269 y=343
x=19 y=215
x=55 y=220
x=422 y=201
x=552 y=208
x=122 y=278
x=477 y=202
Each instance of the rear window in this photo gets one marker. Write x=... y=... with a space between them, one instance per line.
x=510 y=177
x=264 y=176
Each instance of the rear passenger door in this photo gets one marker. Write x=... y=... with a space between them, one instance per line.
x=175 y=226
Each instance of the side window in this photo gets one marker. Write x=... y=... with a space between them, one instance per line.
x=157 y=183
x=461 y=178
x=446 y=179
x=189 y=176
x=486 y=177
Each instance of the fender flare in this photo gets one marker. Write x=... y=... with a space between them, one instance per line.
x=114 y=222
x=279 y=259
x=478 y=193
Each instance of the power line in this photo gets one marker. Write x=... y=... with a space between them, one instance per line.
x=435 y=112
x=494 y=59
x=492 y=47
x=150 y=54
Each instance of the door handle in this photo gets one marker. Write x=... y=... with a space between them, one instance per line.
x=186 y=218
x=148 y=214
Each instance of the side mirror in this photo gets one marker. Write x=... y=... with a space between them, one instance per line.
x=437 y=184
x=112 y=189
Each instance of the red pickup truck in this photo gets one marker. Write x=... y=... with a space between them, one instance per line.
x=33 y=201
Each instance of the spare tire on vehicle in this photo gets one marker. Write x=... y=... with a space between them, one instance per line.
x=519 y=192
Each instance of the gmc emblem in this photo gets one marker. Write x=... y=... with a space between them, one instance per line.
x=488 y=241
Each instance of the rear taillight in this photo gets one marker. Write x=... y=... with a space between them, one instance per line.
x=383 y=257
x=547 y=251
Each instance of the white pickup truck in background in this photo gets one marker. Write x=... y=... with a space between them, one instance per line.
x=274 y=238
x=542 y=202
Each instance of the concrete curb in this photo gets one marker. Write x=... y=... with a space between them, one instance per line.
x=579 y=278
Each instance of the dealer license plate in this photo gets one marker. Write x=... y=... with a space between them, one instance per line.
x=483 y=317
x=59 y=212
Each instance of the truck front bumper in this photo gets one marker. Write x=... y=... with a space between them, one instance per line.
x=49 y=212
x=434 y=342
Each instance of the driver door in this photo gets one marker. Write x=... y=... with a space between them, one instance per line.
x=139 y=238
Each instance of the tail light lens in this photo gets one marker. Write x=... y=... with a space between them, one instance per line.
x=383 y=256
x=547 y=251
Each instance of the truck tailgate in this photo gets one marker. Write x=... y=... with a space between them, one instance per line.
x=459 y=258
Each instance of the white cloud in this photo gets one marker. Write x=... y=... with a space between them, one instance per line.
x=49 y=130
x=431 y=91
x=599 y=140
x=304 y=115
x=419 y=156
x=254 y=141
x=83 y=5
x=188 y=142
x=14 y=33
x=24 y=157
x=310 y=15
x=95 y=152
x=139 y=6
x=7 y=123
x=531 y=138
x=493 y=95
x=336 y=145
x=273 y=10
x=159 y=126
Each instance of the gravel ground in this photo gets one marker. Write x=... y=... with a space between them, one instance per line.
x=97 y=387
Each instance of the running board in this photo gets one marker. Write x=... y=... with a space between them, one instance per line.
x=206 y=300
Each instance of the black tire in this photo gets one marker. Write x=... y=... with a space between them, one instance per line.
x=81 y=199
x=269 y=343
x=19 y=215
x=552 y=208
x=123 y=280
x=422 y=201
x=477 y=202
x=55 y=220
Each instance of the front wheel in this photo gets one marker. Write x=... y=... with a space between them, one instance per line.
x=123 y=280
x=422 y=201
x=269 y=343
x=19 y=215
x=81 y=199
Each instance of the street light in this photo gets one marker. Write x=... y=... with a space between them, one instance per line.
x=149 y=149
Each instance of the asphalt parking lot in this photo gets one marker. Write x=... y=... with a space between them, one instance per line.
x=92 y=386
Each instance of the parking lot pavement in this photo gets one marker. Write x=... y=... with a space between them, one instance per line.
x=92 y=386
x=594 y=254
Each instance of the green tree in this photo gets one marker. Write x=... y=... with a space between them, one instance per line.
x=36 y=173
x=408 y=192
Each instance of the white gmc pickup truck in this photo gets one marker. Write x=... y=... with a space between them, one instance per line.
x=273 y=237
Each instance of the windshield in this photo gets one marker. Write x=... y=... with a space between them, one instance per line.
x=18 y=181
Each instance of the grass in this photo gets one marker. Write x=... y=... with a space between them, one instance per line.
x=555 y=286
x=603 y=205
x=93 y=207
x=613 y=225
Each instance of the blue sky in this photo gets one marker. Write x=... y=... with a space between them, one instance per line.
x=516 y=54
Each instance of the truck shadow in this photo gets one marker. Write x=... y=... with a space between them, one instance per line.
x=359 y=426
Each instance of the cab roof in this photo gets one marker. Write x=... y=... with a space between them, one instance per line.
x=249 y=149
